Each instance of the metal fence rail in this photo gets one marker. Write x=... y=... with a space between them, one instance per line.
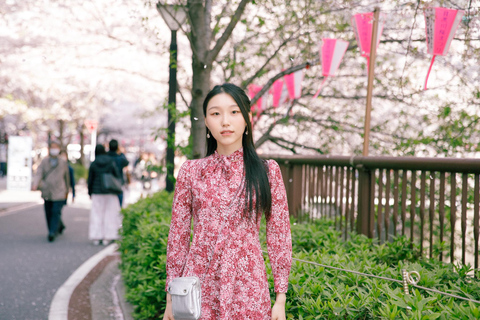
x=433 y=201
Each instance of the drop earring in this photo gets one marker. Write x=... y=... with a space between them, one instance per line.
x=246 y=132
x=208 y=135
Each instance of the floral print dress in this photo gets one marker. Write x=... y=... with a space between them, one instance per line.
x=225 y=251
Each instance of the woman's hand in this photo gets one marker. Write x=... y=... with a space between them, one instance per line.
x=168 y=315
x=278 y=310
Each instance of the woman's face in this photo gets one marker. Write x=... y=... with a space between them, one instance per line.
x=225 y=122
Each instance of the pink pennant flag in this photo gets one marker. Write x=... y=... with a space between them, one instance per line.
x=331 y=55
x=294 y=84
x=261 y=103
x=362 y=25
x=277 y=89
x=440 y=27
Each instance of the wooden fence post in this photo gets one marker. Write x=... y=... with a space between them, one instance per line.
x=293 y=179
x=365 y=215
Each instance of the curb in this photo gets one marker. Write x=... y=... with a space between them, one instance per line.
x=61 y=300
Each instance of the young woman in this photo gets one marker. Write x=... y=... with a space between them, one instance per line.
x=105 y=218
x=226 y=193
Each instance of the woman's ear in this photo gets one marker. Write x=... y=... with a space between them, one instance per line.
x=250 y=117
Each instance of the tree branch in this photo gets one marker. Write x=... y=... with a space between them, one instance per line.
x=279 y=75
x=126 y=71
x=212 y=54
x=208 y=20
x=249 y=80
x=181 y=95
x=277 y=139
x=266 y=136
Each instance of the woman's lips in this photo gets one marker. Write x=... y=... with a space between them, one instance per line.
x=226 y=133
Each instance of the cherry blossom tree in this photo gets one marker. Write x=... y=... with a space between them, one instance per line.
x=65 y=61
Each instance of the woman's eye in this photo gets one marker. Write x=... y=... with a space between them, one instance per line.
x=235 y=111
x=215 y=114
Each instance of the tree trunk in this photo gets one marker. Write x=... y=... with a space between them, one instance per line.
x=201 y=69
x=200 y=88
x=61 y=128
x=82 y=143
x=202 y=61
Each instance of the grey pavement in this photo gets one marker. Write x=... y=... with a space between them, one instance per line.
x=107 y=295
x=32 y=269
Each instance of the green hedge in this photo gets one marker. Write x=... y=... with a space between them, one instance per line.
x=143 y=250
x=314 y=292
x=79 y=171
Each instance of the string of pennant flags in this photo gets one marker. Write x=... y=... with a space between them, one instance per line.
x=440 y=27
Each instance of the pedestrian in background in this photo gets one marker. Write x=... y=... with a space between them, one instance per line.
x=64 y=155
x=53 y=180
x=120 y=161
x=3 y=159
x=105 y=217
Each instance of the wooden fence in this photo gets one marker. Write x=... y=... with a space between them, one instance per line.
x=433 y=201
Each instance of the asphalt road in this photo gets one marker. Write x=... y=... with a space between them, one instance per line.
x=31 y=268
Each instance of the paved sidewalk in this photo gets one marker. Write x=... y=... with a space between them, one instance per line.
x=13 y=199
x=95 y=291
x=103 y=296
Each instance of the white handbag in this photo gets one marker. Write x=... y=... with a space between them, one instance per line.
x=186 y=295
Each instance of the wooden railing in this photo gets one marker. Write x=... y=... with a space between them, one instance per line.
x=384 y=197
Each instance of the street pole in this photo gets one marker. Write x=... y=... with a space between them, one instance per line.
x=366 y=216
x=371 y=76
x=93 y=141
x=174 y=17
x=172 y=90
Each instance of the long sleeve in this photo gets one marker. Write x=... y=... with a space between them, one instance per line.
x=39 y=174
x=279 y=239
x=67 y=179
x=180 y=226
x=123 y=161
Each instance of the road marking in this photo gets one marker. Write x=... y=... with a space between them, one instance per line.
x=59 y=305
x=13 y=210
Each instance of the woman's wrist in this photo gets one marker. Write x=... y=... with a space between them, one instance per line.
x=281 y=298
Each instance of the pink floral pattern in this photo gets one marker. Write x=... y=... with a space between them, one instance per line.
x=235 y=283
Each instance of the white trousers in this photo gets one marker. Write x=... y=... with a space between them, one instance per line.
x=105 y=218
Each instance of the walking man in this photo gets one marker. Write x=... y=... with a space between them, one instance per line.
x=53 y=179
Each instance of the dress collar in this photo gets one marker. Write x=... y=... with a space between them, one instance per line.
x=223 y=163
x=234 y=157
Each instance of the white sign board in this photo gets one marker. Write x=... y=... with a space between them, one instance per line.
x=19 y=175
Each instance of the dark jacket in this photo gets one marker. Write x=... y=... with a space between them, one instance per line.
x=102 y=164
x=121 y=162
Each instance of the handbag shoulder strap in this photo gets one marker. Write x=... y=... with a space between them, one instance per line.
x=45 y=175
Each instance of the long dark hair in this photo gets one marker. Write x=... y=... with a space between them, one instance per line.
x=257 y=186
x=99 y=150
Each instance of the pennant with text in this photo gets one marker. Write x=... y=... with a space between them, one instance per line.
x=440 y=27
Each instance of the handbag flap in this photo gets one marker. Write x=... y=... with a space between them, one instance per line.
x=183 y=285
